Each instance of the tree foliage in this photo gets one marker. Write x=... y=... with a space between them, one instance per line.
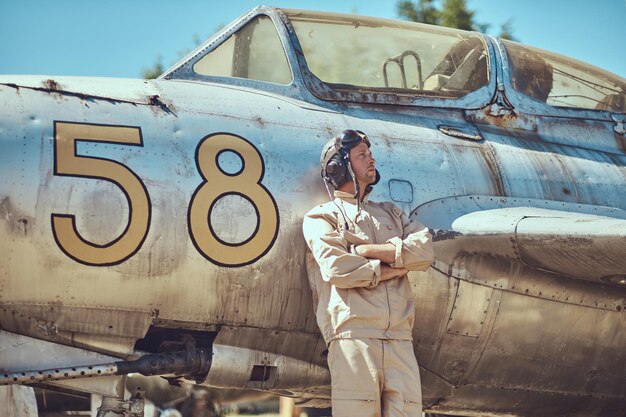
x=423 y=11
x=506 y=30
x=155 y=70
x=452 y=13
x=455 y=14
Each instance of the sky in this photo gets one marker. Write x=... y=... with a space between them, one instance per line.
x=122 y=38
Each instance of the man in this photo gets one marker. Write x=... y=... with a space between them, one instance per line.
x=361 y=252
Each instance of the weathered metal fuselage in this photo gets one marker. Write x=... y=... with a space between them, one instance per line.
x=490 y=326
x=139 y=215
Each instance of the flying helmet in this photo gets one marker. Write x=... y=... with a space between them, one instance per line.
x=335 y=157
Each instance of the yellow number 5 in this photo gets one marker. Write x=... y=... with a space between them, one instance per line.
x=68 y=163
x=218 y=184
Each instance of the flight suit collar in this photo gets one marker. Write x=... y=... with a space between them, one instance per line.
x=349 y=197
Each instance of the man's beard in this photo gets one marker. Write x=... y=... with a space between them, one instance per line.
x=370 y=178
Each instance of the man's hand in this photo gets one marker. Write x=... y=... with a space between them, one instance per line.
x=387 y=272
x=385 y=252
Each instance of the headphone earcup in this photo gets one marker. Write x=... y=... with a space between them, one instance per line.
x=337 y=171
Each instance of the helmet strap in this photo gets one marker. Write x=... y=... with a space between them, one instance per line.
x=357 y=189
x=332 y=198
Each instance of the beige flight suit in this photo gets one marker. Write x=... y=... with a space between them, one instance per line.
x=366 y=323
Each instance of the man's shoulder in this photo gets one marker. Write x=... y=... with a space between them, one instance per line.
x=321 y=209
x=387 y=206
x=319 y=220
x=328 y=212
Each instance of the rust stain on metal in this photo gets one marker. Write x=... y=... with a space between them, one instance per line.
x=439 y=235
x=24 y=223
x=56 y=89
x=620 y=140
x=503 y=117
x=17 y=222
x=491 y=163
x=386 y=140
x=454 y=370
x=156 y=101
x=51 y=85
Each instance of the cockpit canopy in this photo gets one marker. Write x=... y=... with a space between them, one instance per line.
x=337 y=57
x=377 y=55
x=564 y=82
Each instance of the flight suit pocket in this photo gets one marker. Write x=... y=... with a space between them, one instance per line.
x=350 y=403
x=412 y=405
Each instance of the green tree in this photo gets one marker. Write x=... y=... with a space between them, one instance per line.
x=453 y=13
x=157 y=67
x=506 y=30
x=423 y=11
x=155 y=70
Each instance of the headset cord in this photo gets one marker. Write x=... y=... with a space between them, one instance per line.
x=332 y=198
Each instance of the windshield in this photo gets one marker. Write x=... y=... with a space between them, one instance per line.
x=370 y=54
x=564 y=82
x=254 y=52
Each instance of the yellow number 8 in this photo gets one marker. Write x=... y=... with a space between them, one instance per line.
x=218 y=184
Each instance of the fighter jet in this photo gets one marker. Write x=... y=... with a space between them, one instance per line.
x=154 y=226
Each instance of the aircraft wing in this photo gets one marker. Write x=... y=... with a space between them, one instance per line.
x=588 y=244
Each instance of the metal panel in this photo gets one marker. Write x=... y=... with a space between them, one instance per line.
x=401 y=191
x=470 y=309
x=252 y=358
x=529 y=330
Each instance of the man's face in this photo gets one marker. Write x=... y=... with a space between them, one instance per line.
x=362 y=162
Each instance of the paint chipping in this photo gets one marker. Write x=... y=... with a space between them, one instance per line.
x=440 y=234
x=155 y=100
x=51 y=85
x=17 y=223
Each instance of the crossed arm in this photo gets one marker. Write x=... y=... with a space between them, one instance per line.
x=386 y=253
x=412 y=251
x=365 y=265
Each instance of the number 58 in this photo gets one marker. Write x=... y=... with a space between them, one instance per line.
x=216 y=184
